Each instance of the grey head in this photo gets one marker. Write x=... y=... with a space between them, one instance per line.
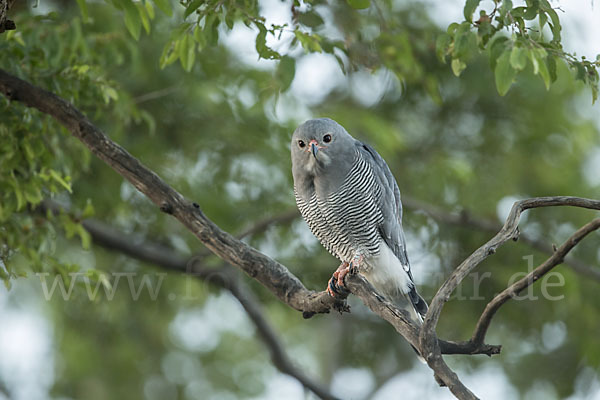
x=322 y=154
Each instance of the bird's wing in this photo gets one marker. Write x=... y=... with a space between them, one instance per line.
x=389 y=203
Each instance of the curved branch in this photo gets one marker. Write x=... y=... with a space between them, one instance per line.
x=267 y=271
x=490 y=309
x=509 y=231
x=428 y=341
x=465 y=218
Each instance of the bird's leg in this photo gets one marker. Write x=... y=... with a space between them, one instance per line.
x=335 y=287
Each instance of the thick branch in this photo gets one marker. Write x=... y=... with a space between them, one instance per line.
x=466 y=219
x=5 y=23
x=267 y=271
x=514 y=289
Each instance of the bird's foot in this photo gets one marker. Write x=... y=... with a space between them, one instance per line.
x=336 y=287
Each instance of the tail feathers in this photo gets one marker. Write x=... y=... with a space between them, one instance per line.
x=418 y=303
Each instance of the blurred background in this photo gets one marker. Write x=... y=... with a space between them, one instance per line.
x=220 y=135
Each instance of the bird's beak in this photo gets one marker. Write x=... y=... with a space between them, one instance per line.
x=314 y=149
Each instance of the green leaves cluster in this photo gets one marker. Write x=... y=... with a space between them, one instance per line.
x=38 y=160
x=516 y=39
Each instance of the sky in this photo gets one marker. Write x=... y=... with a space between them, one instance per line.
x=26 y=347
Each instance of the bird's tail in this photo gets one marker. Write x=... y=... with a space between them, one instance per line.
x=418 y=304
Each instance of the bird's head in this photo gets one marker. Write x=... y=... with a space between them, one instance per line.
x=321 y=144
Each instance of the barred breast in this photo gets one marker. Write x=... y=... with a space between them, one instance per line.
x=346 y=221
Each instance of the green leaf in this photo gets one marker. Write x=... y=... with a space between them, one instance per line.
x=551 y=64
x=56 y=176
x=262 y=49
x=83 y=8
x=144 y=16
x=496 y=49
x=544 y=73
x=441 y=46
x=133 y=21
x=533 y=7
x=504 y=13
x=164 y=6
x=109 y=93
x=504 y=73
x=458 y=66
x=580 y=71
x=187 y=53
x=199 y=38
x=211 y=29
x=470 y=7
x=555 y=25
x=192 y=6
x=310 y=19
x=538 y=58
x=88 y=211
x=286 y=70
x=182 y=50
x=465 y=42
x=32 y=193
x=518 y=12
x=309 y=42
x=85 y=237
x=169 y=54
x=543 y=19
x=359 y=4
x=518 y=58
x=149 y=9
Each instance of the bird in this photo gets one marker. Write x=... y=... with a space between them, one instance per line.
x=350 y=200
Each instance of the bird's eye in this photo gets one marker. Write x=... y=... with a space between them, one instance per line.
x=301 y=143
x=327 y=138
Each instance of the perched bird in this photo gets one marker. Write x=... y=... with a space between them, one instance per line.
x=351 y=202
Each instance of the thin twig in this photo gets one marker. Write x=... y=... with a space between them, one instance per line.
x=156 y=94
x=490 y=309
x=261 y=225
x=429 y=345
x=466 y=219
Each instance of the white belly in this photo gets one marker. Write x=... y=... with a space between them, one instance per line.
x=386 y=273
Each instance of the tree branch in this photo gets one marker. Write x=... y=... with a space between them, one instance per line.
x=5 y=23
x=514 y=289
x=429 y=346
x=465 y=218
x=267 y=271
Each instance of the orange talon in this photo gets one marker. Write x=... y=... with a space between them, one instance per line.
x=335 y=286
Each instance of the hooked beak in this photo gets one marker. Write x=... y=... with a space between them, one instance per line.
x=314 y=149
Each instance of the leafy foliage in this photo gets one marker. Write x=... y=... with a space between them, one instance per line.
x=528 y=44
